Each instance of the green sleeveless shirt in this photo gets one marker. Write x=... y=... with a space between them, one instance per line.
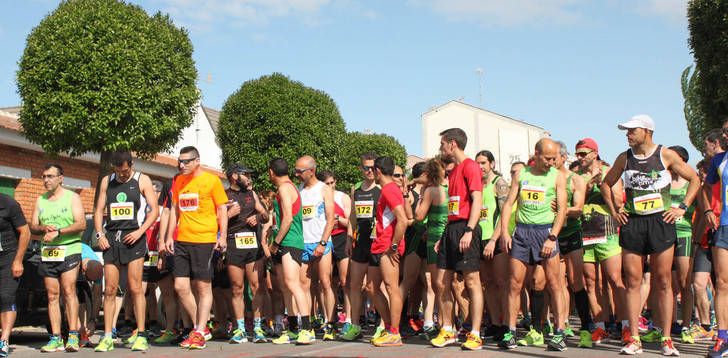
x=684 y=224
x=60 y=214
x=535 y=197
x=489 y=212
x=572 y=225
x=294 y=236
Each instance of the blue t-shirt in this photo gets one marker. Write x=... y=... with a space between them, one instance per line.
x=88 y=253
x=718 y=172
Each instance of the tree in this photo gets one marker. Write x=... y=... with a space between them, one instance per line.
x=274 y=116
x=356 y=144
x=708 y=24
x=693 y=115
x=102 y=75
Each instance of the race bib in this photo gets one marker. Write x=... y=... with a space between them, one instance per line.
x=364 y=209
x=453 y=205
x=533 y=195
x=122 y=211
x=307 y=212
x=189 y=202
x=53 y=253
x=245 y=240
x=648 y=204
x=594 y=240
x=484 y=213
x=152 y=259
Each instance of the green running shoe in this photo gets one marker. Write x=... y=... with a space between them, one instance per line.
x=306 y=336
x=166 y=337
x=547 y=329
x=585 y=339
x=132 y=338
x=377 y=333
x=259 y=335
x=533 y=338
x=568 y=332
x=285 y=338
x=105 y=345
x=686 y=336
x=140 y=344
x=239 y=336
x=72 y=343
x=55 y=344
x=351 y=333
x=652 y=336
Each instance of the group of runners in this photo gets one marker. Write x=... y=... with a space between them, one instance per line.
x=453 y=253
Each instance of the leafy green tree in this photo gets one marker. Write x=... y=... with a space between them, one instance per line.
x=708 y=24
x=356 y=144
x=693 y=116
x=102 y=75
x=274 y=116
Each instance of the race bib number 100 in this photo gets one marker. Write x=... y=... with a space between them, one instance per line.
x=189 y=202
x=648 y=204
x=122 y=211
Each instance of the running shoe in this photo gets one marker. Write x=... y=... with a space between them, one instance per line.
x=154 y=330
x=344 y=328
x=668 y=349
x=106 y=344
x=700 y=334
x=55 y=344
x=182 y=337
x=4 y=348
x=568 y=332
x=306 y=336
x=685 y=336
x=387 y=339
x=197 y=341
x=644 y=324
x=259 y=335
x=652 y=336
x=675 y=329
x=72 y=343
x=508 y=342
x=285 y=338
x=557 y=343
x=525 y=322
x=329 y=334
x=140 y=344
x=633 y=347
x=490 y=332
x=187 y=342
x=626 y=335
x=443 y=339
x=532 y=338
x=277 y=330
x=132 y=338
x=378 y=332
x=166 y=337
x=220 y=333
x=585 y=339
x=429 y=333
x=598 y=335
x=239 y=336
x=472 y=342
x=547 y=329
x=720 y=349
x=83 y=340
x=351 y=333
x=407 y=331
x=207 y=335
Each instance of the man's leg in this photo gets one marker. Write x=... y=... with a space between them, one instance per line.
x=552 y=270
x=292 y=281
x=324 y=278
x=720 y=265
x=575 y=276
x=389 y=269
x=237 y=283
x=70 y=300
x=475 y=290
x=255 y=271
x=632 y=266
x=111 y=286
x=203 y=287
x=186 y=298
x=517 y=274
x=166 y=286
x=374 y=290
x=700 y=287
x=682 y=279
x=660 y=269
x=357 y=271
x=443 y=290
x=134 y=271
x=306 y=274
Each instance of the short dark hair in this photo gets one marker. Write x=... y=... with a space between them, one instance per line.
x=487 y=154
x=189 y=149
x=279 y=166
x=717 y=134
x=54 y=165
x=682 y=152
x=369 y=156
x=119 y=157
x=385 y=165
x=418 y=169
x=325 y=174
x=455 y=134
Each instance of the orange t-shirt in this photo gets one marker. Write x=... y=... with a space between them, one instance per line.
x=197 y=199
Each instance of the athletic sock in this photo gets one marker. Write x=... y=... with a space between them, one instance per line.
x=306 y=322
x=448 y=329
x=348 y=320
x=581 y=298
x=658 y=329
x=257 y=322
x=293 y=325
x=279 y=319
x=107 y=335
x=723 y=334
x=706 y=327
x=625 y=323
x=394 y=330
x=241 y=323
x=428 y=324
x=475 y=332
x=537 y=303
x=601 y=325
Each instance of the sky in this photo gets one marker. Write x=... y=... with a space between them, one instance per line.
x=574 y=67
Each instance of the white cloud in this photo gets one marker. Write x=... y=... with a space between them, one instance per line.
x=671 y=10
x=506 y=12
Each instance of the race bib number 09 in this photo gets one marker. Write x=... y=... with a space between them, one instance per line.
x=53 y=253
x=189 y=202
x=307 y=212
x=245 y=240
x=533 y=195
x=364 y=209
x=121 y=211
x=648 y=204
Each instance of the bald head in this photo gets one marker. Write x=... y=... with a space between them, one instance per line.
x=306 y=170
x=544 y=144
x=546 y=153
x=306 y=161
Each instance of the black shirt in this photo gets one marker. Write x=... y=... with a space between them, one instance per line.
x=11 y=218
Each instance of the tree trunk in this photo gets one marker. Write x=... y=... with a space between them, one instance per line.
x=104 y=169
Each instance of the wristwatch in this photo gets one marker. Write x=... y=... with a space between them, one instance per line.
x=98 y=235
x=394 y=247
x=683 y=206
x=552 y=237
x=323 y=243
x=59 y=231
x=276 y=244
x=468 y=229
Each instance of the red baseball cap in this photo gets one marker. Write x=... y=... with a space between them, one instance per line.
x=586 y=144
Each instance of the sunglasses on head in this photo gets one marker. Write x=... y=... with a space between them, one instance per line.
x=186 y=161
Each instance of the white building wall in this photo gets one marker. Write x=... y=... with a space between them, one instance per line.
x=201 y=136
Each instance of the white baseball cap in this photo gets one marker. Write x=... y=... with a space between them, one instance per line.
x=639 y=121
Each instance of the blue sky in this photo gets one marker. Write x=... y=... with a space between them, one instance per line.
x=574 y=67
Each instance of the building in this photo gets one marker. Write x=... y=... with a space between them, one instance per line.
x=510 y=140
x=21 y=162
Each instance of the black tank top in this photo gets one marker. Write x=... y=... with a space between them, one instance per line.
x=365 y=204
x=246 y=200
x=124 y=204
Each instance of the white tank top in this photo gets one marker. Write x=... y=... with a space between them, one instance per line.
x=314 y=213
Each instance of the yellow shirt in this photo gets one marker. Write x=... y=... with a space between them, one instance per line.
x=197 y=199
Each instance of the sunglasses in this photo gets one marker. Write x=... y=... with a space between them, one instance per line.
x=300 y=171
x=186 y=161
x=398 y=175
x=583 y=154
x=367 y=168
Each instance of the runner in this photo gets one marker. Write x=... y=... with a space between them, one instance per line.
x=14 y=239
x=365 y=195
x=244 y=250
x=570 y=247
x=318 y=215
x=200 y=208
x=601 y=242
x=342 y=209
x=387 y=247
x=494 y=262
x=703 y=261
x=460 y=249
x=647 y=223
x=124 y=196
x=535 y=236
x=58 y=216
x=287 y=250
